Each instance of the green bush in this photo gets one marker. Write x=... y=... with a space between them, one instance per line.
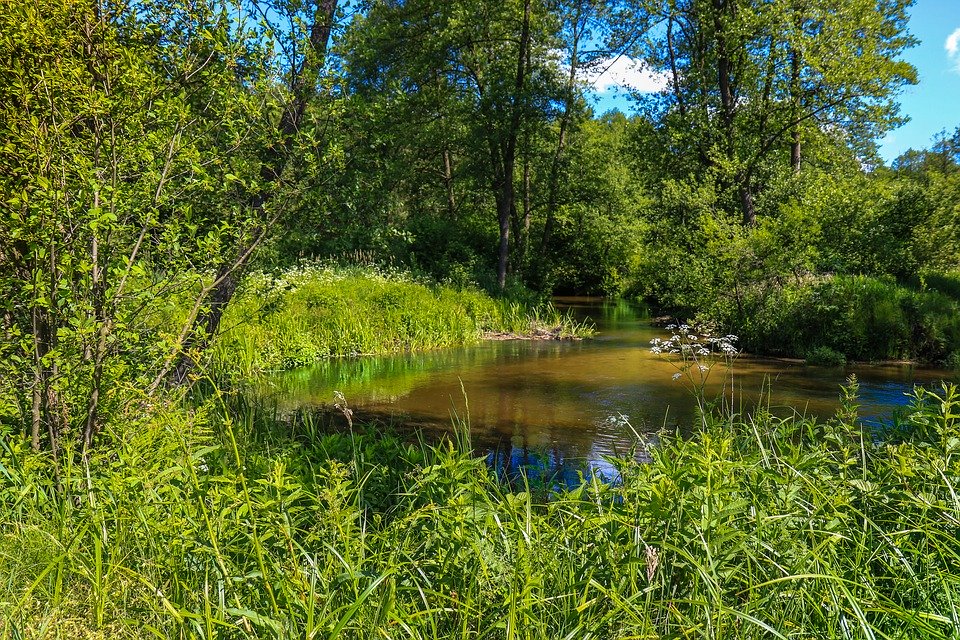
x=953 y=361
x=946 y=283
x=825 y=357
x=315 y=312
x=863 y=318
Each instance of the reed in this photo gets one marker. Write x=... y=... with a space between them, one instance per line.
x=219 y=520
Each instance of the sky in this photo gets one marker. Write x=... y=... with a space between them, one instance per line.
x=933 y=105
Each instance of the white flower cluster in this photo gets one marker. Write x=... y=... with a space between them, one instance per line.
x=694 y=343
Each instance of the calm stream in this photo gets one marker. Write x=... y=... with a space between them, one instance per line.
x=562 y=404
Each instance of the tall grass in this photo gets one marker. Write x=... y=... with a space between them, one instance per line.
x=221 y=521
x=318 y=312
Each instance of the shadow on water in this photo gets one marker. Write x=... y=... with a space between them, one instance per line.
x=561 y=406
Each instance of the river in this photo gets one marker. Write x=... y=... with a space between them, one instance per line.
x=564 y=404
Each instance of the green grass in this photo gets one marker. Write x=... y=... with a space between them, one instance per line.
x=220 y=521
x=312 y=313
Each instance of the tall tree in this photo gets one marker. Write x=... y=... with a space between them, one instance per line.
x=481 y=69
x=115 y=122
x=749 y=77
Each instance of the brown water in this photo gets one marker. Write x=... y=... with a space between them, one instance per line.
x=572 y=401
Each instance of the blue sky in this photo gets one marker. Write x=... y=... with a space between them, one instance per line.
x=933 y=105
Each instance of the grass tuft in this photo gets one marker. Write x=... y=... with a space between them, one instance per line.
x=314 y=312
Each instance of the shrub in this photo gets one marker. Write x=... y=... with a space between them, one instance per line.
x=861 y=317
x=953 y=361
x=825 y=357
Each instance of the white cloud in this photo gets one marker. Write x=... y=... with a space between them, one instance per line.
x=952 y=45
x=629 y=73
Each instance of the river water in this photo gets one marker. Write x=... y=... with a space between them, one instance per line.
x=566 y=404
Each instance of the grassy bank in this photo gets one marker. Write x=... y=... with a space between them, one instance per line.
x=853 y=317
x=220 y=522
x=317 y=312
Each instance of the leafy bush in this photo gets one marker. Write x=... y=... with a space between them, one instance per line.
x=953 y=361
x=861 y=317
x=825 y=357
x=317 y=312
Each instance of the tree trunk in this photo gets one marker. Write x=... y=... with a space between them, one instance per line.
x=448 y=182
x=746 y=202
x=274 y=161
x=553 y=184
x=505 y=201
x=527 y=208
x=207 y=323
x=504 y=206
x=795 y=99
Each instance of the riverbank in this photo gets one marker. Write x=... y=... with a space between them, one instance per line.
x=315 y=312
x=831 y=320
x=218 y=519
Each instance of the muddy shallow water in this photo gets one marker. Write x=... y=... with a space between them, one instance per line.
x=560 y=403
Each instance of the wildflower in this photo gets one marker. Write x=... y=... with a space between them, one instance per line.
x=676 y=376
x=653 y=561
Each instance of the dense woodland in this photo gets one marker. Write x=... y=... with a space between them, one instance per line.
x=178 y=178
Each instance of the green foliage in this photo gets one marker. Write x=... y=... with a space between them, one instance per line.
x=863 y=318
x=953 y=361
x=599 y=229
x=219 y=521
x=946 y=283
x=311 y=313
x=825 y=357
x=130 y=140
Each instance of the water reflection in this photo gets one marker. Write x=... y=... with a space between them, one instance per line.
x=563 y=403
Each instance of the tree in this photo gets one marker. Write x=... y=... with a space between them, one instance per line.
x=99 y=122
x=749 y=78
x=479 y=84
x=304 y=46
x=135 y=156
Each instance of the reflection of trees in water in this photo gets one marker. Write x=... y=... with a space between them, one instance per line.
x=542 y=467
x=546 y=457
x=370 y=378
x=542 y=405
x=605 y=313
